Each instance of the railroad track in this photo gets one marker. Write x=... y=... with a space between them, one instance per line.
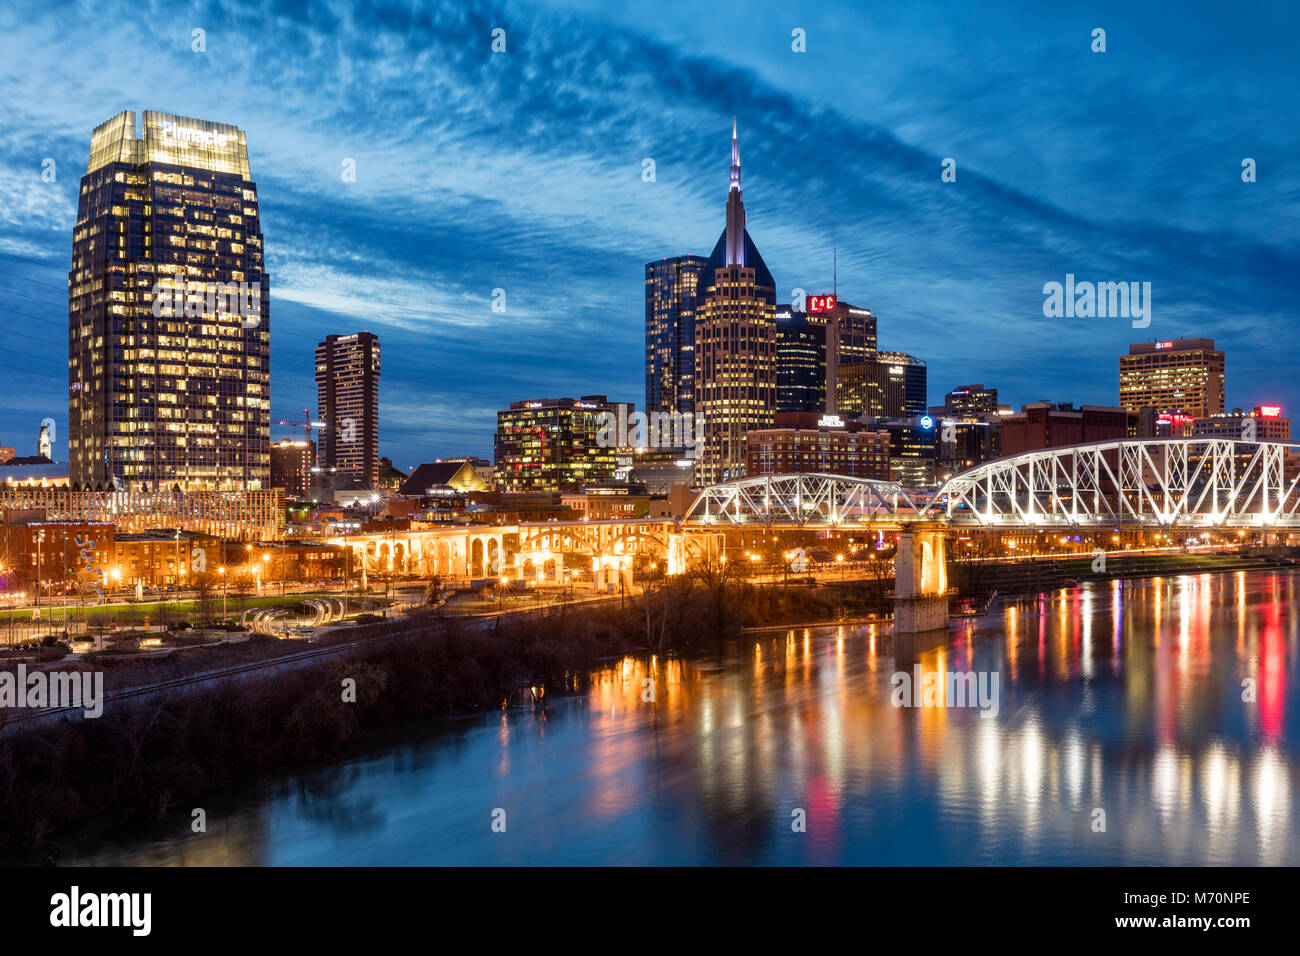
x=21 y=718
x=16 y=717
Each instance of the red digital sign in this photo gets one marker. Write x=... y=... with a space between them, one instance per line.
x=821 y=303
x=1270 y=411
x=1164 y=345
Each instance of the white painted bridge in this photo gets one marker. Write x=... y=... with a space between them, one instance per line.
x=1158 y=483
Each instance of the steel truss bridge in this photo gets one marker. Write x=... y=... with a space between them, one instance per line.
x=1157 y=483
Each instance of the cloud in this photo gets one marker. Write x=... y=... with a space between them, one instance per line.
x=522 y=171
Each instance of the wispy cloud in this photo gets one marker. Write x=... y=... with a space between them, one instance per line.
x=522 y=171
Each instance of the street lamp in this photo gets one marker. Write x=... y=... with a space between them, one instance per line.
x=40 y=539
x=222 y=572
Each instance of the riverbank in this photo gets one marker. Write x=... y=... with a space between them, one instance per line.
x=1030 y=577
x=149 y=760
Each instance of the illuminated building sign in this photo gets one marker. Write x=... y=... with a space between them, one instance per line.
x=1164 y=345
x=187 y=135
x=830 y=421
x=820 y=303
x=1270 y=411
x=927 y=422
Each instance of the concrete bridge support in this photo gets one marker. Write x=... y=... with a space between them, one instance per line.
x=920 y=582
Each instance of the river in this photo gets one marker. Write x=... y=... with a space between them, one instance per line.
x=1121 y=736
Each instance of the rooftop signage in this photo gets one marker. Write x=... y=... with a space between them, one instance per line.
x=190 y=136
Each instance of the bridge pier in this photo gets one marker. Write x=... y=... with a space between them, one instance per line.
x=920 y=582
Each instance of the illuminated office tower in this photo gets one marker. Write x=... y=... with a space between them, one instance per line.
x=735 y=343
x=554 y=444
x=800 y=362
x=893 y=385
x=847 y=335
x=291 y=465
x=1186 y=376
x=347 y=388
x=168 y=312
x=670 y=302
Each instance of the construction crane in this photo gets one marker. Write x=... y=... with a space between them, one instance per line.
x=305 y=424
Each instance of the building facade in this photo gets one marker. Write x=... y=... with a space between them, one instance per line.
x=735 y=343
x=54 y=557
x=812 y=442
x=671 y=298
x=168 y=312
x=1262 y=423
x=800 y=362
x=970 y=401
x=893 y=385
x=1187 y=376
x=347 y=388
x=165 y=558
x=553 y=444
x=292 y=461
x=1041 y=425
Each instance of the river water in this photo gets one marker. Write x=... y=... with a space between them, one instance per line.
x=1121 y=736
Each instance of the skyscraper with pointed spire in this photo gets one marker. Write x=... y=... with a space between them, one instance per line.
x=735 y=342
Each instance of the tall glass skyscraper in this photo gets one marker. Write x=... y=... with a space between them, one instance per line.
x=800 y=362
x=671 y=287
x=168 y=312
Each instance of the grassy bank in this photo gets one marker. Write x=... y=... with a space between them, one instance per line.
x=109 y=612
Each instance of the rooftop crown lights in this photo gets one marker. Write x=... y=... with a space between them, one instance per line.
x=187 y=135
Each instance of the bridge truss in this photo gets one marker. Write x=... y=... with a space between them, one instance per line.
x=810 y=498
x=1185 y=483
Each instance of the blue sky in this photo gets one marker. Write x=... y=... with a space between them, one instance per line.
x=522 y=171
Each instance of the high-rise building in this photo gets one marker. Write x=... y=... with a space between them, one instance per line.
x=850 y=339
x=913 y=448
x=671 y=287
x=347 y=388
x=554 y=444
x=1187 y=376
x=893 y=385
x=970 y=402
x=291 y=463
x=168 y=311
x=845 y=336
x=735 y=343
x=800 y=362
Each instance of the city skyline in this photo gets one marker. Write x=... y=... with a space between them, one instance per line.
x=943 y=265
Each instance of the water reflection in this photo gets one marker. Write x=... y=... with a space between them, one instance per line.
x=1168 y=704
